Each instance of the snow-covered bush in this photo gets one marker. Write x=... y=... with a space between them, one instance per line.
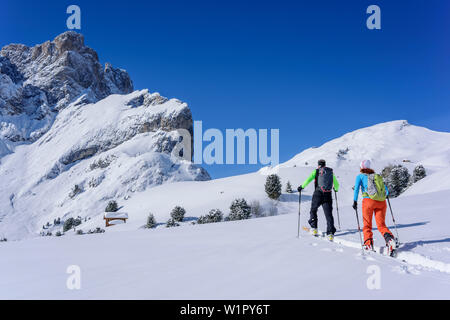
x=171 y=223
x=71 y=223
x=256 y=209
x=112 y=206
x=341 y=153
x=214 y=215
x=102 y=163
x=57 y=222
x=239 y=210
x=75 y=191
x=273 y=186
x=289 y=187
x=3 y=239
x=151 y=221
x=396 y=178
x=58 y=233
x=95 y=181
x=80 y=232
x=178 y=213
x=419 y=173
x=96 y=230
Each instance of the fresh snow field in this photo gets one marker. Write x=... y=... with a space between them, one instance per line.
x=259 y=258
x=253 y=259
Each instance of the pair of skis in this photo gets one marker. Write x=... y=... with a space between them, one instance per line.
x=384 y=251
x=319 y=234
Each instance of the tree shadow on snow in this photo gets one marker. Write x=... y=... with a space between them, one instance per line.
x=399 y=226
x=293 y=197
x=412 y=245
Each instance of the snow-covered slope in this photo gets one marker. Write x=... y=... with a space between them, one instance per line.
x=252 y=259
x=73 y=135
x=385 y=143
x=258 y=258
x=110 y=150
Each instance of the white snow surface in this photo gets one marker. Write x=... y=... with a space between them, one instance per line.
x=260 y=258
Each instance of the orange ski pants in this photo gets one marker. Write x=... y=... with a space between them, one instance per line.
x=371 y=207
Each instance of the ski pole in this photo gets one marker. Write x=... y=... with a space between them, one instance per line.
x=299 y=206
x=393 y=219
x=359 y=229
x=337 y=209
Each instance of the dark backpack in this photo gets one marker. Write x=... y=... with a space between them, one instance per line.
x=324 y=179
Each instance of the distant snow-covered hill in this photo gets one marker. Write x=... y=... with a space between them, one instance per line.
x=396 y=142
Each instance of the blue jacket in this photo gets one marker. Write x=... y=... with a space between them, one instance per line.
x=361 y=183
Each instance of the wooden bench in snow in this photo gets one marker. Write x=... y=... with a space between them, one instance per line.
x=114 y=218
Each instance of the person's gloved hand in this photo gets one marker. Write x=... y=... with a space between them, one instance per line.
x=355 y=205
x=299 y=189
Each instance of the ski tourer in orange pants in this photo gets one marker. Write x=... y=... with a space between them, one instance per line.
x=378 y=208
x=370 y=208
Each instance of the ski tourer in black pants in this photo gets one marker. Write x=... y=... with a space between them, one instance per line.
x=325 y=200
x=324 y=183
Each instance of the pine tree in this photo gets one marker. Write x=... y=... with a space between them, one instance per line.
x=112 y=206
x=273 y=186
x=419 y=173
x=68 y=224
x=239 y=210
x=214 y=215
x=396 y=179
x=171 y=223
x=289 y=188
x=151 y=221
x=178 y=213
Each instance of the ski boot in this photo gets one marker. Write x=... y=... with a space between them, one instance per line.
x=330 y=237
x=314 y=232
x=391 y=244
x=368 y=245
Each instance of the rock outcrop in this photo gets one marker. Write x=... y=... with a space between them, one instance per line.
x=36 y=82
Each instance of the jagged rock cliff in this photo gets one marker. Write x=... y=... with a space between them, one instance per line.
x=36 y=82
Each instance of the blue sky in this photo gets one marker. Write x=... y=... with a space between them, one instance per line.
x=310 y=68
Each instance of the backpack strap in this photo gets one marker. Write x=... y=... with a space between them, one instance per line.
x=316 y=179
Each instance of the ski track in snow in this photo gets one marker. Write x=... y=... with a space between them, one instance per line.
x=411 y=258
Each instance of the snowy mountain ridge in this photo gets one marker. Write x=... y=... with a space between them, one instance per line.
x=73 y=135
x=36 y=82
x=392 y=142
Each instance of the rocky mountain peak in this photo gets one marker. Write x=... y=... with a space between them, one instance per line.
x=37 y=82
x=69 y=41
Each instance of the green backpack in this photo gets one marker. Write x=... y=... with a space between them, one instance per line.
x=375 y=187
